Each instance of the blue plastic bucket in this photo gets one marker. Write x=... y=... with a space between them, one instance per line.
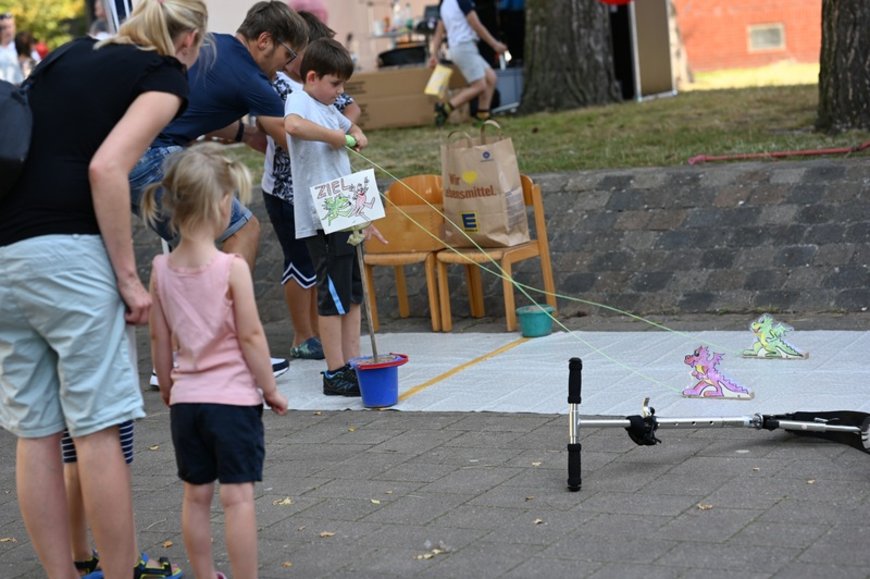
x=536 y=320
x=379 y=381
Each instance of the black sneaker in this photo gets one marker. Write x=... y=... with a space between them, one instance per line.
x=343 y=382
x=441 y=114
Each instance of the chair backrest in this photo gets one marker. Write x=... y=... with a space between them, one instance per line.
x=533 y=198
x=416 y=190
x=417 y=227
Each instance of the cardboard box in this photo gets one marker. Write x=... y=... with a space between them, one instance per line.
x=395 y=81
x=393 y=97
x=404 y=111
x=396 y=111
x=409 y=233
x=387 y=83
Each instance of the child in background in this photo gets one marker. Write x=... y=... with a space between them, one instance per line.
x=210 y=355
x=317 y=135
x=85 y=559
x=298 y=278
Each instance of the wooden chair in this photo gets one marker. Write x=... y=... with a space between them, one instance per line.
x=505 y=257
x=409 y=242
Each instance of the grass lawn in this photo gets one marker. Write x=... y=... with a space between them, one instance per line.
x=659 y=132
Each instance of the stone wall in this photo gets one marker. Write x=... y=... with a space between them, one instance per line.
x=772 y=236
x=716 y=238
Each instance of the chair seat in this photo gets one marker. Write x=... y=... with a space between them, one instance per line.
x=393 y=259
x=472 y=255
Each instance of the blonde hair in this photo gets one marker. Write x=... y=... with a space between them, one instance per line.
x=196 y=180
x=156 y=24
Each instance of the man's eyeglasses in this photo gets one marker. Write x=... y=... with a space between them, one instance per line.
x=290 y=51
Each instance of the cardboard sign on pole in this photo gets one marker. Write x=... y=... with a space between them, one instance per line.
x=349 y=201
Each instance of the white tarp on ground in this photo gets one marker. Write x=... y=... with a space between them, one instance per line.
x=505 y=373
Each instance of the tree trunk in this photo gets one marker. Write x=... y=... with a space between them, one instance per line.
x=844 y=75
x=568 y=56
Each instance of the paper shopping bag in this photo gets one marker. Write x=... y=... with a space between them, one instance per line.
x=483 y=194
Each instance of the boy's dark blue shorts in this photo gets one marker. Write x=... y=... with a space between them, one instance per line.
x=339 y=282
x=297 y=262
x=218 y=442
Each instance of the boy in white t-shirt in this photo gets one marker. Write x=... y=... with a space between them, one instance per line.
x=298 y=277
x=317 y=135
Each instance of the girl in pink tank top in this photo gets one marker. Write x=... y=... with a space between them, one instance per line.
x=210 y=354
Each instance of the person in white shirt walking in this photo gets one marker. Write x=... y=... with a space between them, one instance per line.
x=463 y=28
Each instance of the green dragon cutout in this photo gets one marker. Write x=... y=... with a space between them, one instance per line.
x=770 y=342
x=336 y=207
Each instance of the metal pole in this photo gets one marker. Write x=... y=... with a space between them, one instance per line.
x=739 y=421
x=755 y=421
x=575 y=369
x=635 y=54
x=816 y=427
x=116 y=12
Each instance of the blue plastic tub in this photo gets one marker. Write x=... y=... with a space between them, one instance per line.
x=379 y=381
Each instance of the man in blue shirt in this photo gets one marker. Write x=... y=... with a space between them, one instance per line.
x=226 y=85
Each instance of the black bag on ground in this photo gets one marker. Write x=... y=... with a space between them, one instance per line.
x=17 y=123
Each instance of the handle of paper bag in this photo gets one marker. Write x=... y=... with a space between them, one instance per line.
x=465 y=136
x=489 y=122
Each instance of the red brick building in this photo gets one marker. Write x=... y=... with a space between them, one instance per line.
x=720 y=34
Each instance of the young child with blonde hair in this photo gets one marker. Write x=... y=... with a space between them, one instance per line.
x=210 y=354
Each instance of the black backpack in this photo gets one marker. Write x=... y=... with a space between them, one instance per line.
x=16 y=121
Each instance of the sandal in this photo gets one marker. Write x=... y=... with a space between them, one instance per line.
x=166 y=570
x=89 y=566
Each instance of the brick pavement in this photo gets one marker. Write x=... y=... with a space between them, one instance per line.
x=390 y=494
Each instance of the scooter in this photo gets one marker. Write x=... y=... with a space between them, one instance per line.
x=845 y=426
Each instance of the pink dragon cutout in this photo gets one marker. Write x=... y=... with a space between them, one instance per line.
x=711 y=383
